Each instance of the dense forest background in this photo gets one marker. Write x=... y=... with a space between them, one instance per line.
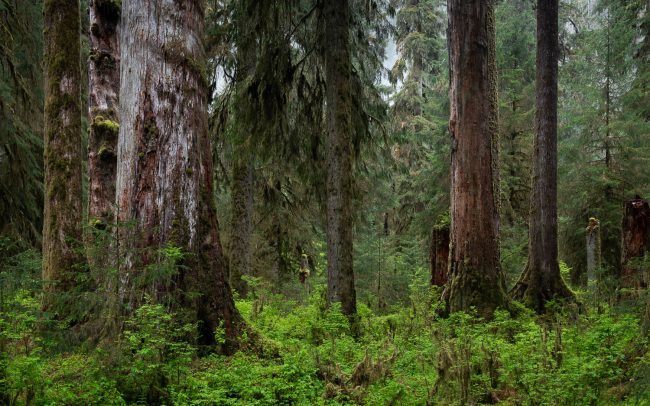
x=126 y=322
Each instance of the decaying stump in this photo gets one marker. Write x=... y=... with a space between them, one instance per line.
x=439 y=254
x=593 y=248
x=636 y=228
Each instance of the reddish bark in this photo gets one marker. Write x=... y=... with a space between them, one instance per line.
x=103 y=106
x=475 y=277
x=636 y=240
x=439 y=255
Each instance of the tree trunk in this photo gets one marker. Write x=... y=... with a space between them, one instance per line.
x=475 y=277
x=541 y=280
x=63 y=205
x=338 y=68
x=439 y=254
x=103 y=106
x=242 y=175
x=164 y=176
x=242 y=224
x=636 y=240
x=593 y=248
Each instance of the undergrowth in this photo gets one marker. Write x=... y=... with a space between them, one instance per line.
x=406 y=356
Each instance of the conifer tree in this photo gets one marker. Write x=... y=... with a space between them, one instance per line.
x=475 y=278
x=541 y=280
x=63 y=190
x=164 y=177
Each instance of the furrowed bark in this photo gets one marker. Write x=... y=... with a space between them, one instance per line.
x=475 y=277
x=63 y=205
x=103 y=106
x=541 y=280
x=636 y=241
x=164 y=177
x=338 y=69
x=439 y=254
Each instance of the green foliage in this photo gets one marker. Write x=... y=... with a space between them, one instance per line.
x=404 y=354
x=157 y=353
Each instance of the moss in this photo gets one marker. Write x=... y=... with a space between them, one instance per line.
x=189 y=171
x=105 y=127
x=105 y=152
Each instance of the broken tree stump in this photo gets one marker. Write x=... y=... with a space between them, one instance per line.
x=593 y=248
x=439 y=254
x=634 y=244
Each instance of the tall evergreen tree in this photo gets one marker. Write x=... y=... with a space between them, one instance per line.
x=541 y=280
x=63 y=155
x=475 y=272
x=164 y=176
x=103 y=107
x=338 y=70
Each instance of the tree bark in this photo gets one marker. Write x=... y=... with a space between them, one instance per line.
x=593 y=248
x=242 y=224
x=439 y=254
x=636 y=240
x=164 y=176
x=62 y=157
x=541 y=280
x=103 y=106
x=338 y=69
x=475 y=272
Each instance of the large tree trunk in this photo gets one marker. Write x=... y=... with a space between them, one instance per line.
x=103 y=106
x=541 y=280
x=636 y=240
x=475 y=272
x=164 y=176
x=439 y=254
x=338 y=69
x=63 y=193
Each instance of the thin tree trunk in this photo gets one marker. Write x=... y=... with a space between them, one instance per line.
x=164 y=176
x=103 y=106
x=63 y=205
x=340 y=275
x=593 y=248
x=636 y=240
x=475 y=272
x=541 y=280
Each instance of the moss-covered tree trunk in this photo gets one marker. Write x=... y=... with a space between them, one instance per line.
x=63 y=154
x=338 y=70
x=164 y=176
x=475 y=277
x=541 y=280
x=636 y=241
x=103 y=106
